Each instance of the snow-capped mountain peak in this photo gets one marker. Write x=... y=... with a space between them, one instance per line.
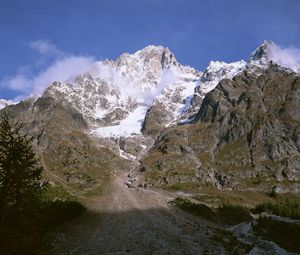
x=113 y=91
x=262 y=56
x=269 y=52
x=145 y=66
x=263 y=52
x=115 y=94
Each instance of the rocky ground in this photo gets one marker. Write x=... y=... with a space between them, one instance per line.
x=126 y=219
x=135 y=221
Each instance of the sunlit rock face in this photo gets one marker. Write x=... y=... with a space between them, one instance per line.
x=246 y=131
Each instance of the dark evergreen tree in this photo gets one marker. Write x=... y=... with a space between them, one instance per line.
x=20 y=185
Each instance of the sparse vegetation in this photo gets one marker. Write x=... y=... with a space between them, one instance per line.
x=200 y=210
x=225 y=214
x=57 y=206
x=187 y=186
x=285 y=208
x=273 y=193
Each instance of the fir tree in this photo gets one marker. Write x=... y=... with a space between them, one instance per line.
x=20 y=185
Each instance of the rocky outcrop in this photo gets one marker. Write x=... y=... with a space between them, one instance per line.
x=68 y=155
x=245 y=136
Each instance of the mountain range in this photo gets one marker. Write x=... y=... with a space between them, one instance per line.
x=232 y=126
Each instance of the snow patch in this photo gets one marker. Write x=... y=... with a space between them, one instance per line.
x=126 y=155
x=127 y=127
x=4 y=103
x=217 y=71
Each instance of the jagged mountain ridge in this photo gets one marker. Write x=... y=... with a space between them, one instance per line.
x=117 y=96
x=149 y=86
x=245 y=136
x=159 y=116
x=104 y=110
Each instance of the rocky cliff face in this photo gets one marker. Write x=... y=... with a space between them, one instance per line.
x=245 y=136
x=235 y=126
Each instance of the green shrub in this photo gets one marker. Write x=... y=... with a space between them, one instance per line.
x=284 y=208
x=273 y=193
x=200 y=210
x=226 y=214
x=58 y=206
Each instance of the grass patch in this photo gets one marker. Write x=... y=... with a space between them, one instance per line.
x=187 y=186
x=216 y=197
x=225 y=214
x=57 y=207
x=56 y=192
x=199 y=210
x=285 y=208
x=284 y=234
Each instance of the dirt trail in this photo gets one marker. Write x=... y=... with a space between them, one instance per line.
x=135 y=221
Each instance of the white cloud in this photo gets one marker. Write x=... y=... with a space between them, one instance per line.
x=287 y=57
x=63 y=67
x=167 y=79
x=61 y=70
x=45 y=47
x=17 y=83
x=137 y=92
x=126 y=85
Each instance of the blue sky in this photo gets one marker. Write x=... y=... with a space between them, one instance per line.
x=87 y=30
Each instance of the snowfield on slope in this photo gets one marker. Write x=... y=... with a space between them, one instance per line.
x=126 y=127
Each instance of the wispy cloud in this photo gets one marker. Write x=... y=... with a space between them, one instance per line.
x=45 y=47
x=287 y=57
x=61 y=70
x=19 y=82
x=63 y=67
x=130 y=88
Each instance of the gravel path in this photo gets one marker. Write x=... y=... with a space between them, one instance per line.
x=135 y=221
